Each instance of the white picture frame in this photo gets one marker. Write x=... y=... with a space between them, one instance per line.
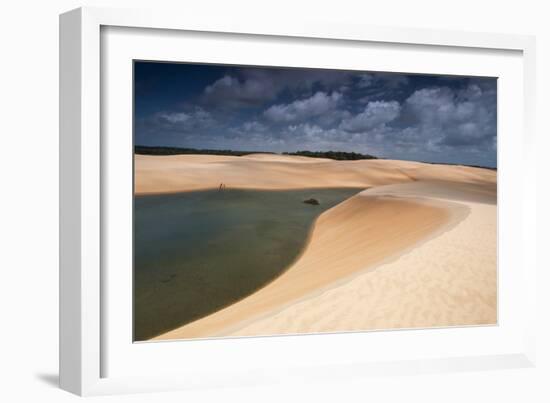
x=85 y=347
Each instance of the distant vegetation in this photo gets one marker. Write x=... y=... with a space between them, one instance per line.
x=153 y=150
x=334 y=155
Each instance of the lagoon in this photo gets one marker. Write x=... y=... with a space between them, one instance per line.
x=197 y=252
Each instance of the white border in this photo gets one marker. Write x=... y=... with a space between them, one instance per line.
x=121 y=45
x=81 y=345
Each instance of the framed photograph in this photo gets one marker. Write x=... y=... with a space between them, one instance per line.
x=251 y=203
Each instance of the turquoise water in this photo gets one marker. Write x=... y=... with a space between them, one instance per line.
x=197 y=252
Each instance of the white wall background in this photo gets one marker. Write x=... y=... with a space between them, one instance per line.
x=29 y=209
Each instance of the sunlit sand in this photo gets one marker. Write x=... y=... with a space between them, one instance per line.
x=416 y=248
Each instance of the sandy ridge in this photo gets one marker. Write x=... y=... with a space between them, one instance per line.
x=179 y=173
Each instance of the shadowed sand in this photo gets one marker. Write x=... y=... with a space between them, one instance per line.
x=416 y=249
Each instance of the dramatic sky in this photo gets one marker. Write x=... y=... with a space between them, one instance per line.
x=403 y=116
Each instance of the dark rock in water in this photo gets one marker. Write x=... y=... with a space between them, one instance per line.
x=168 y=279
x=315 y=202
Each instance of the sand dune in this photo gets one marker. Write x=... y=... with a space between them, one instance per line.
x=418 y=248
x=450 y=280
x=178 y=173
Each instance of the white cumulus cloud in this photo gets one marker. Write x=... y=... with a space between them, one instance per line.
x=316 y=105
x=375 y=114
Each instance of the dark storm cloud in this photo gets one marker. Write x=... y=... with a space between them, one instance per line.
x=257 y=86
x=231 y=92
x=403 y=116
